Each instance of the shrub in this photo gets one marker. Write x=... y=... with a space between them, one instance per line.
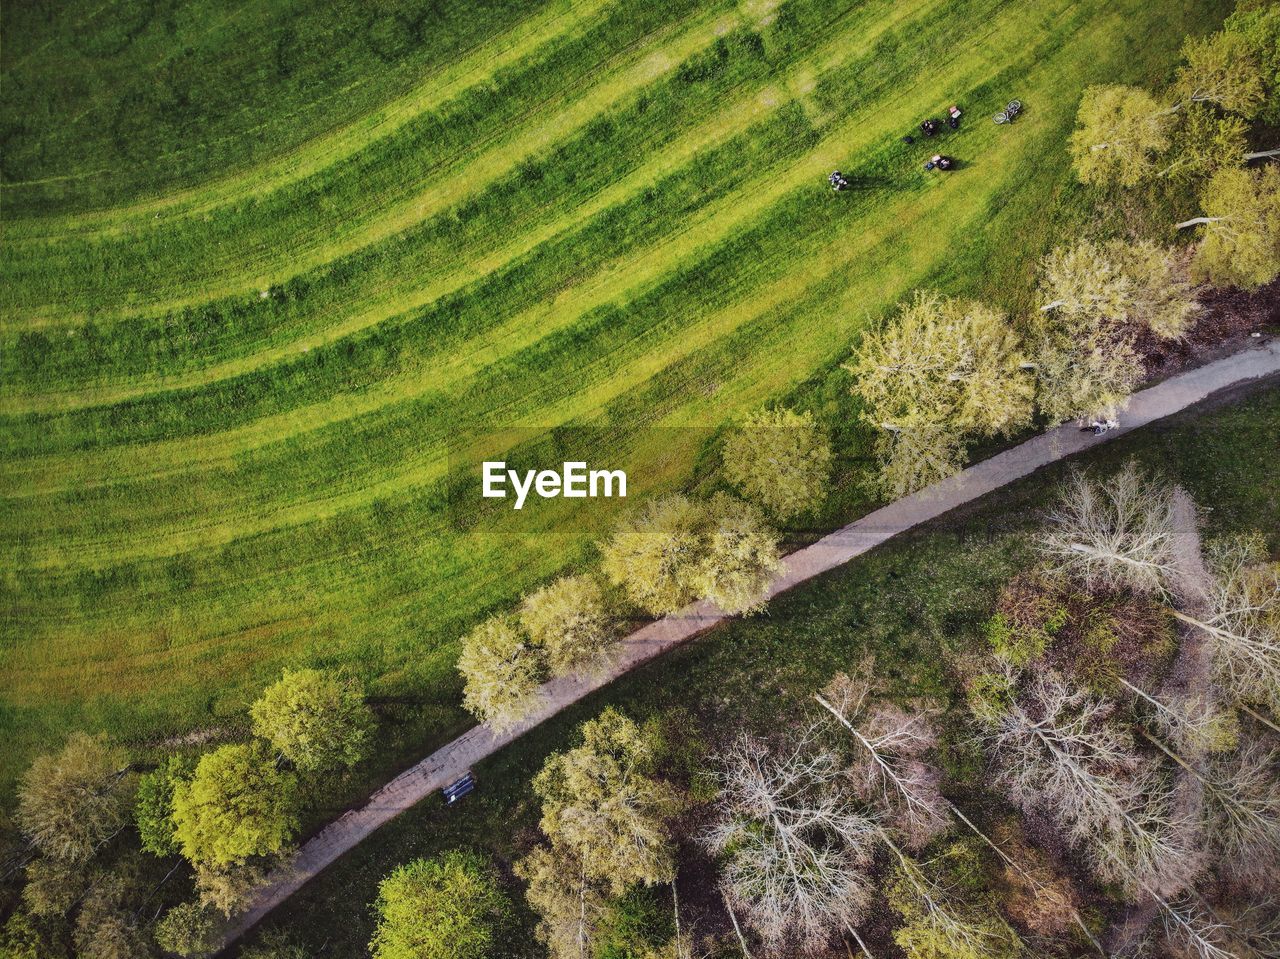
x=153 y=808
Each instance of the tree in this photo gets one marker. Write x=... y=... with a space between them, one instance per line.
x=1096 y=298
x=187 y=929
x=1221 y=69
x=936 y=925
x=53 y=886
x=274 y=945
x=796 y=850
x=237 y=805
x=153 y=808
x=939 y=372
x=888 y=771
x=601 y=801
x=569 y=622
x=1120 y=130
x=1117 y=533
x=569 y=904
x=675 y=551
x=449 y=907
x=71 y=802
x=780 y=460
x=1059 y=752
x=1240 y=243
x=1243 y=622
x=24 y=938
x=315 y=719
x=502 y=672
x=227 y=888
x=739 y=556
x=1259 y=23
x=1204 y=143
x=654 y=553
x=107 y=926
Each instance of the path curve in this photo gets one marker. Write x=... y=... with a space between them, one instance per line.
x=452 y=760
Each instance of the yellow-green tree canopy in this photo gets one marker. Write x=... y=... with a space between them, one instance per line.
x=939 y=372
x=654 y=553
x=601 y=801
x=186 y=930
x=1240 y=238
x=502 y=670
x=73 y=801
x=315 y=719
x=569 y=622
x=238 y=804
x=1095 y=298
x=449 y=907
x=676 y=550
x=1204 y=142
x=1117 y=283
x=1258 y=21
x=1222 y=69
x=568 y=903
x=779 y=459
x=739 y=556
x=1120 y=130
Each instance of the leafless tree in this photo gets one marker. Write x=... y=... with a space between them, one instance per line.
x=889 y=771
x=1059 y=751
x=1115 y=533
x=1243 y=623
x=796 y=848
x=1194 y=931
x=1193 y=722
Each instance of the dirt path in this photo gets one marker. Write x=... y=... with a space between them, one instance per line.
x=451 y=761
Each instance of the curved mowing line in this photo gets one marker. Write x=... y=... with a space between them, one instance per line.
x=609 y=284
x=311 y=156
x=832 y=551
x=295 y=257
x=734 y=118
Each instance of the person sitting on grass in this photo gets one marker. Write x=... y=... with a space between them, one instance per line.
x=953 y=116
x=929 y=127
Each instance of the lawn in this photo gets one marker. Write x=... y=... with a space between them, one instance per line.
x=267 y=270
x=914 y=604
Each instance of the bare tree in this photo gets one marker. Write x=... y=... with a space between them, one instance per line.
x=1117 y=533
x=1242 y=806
x=1243 y=624
x=1194 y=931
x=1059 y=751
x=796 y=849
x=889 y=771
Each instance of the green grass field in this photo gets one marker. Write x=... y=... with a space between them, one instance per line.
x=264 y=266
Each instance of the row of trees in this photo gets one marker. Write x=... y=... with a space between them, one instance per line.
x=1196 y=133
x=671 y=552
x=943 y=372
x=227 y=813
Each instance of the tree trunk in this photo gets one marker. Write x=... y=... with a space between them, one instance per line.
x=1193 y=222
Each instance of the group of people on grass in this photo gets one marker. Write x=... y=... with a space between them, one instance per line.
x=930 y=128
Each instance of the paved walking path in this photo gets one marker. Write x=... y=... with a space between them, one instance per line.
x=451 y=761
